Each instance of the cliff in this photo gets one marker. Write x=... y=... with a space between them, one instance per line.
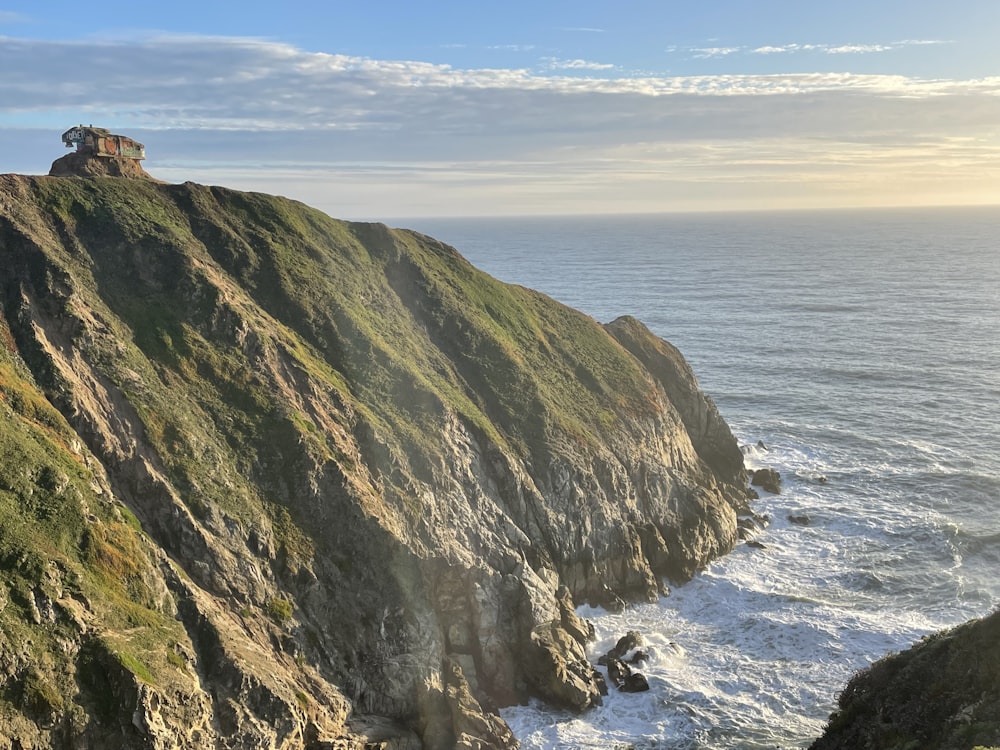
x=269 y=479
x=942 y=694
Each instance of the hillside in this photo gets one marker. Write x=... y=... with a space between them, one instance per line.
x=269 y=479
x=941 y=694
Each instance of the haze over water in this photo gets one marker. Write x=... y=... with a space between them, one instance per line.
x=863 y=349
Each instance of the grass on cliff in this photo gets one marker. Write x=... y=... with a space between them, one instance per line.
x=943 y=692
x=387 y=331
x=69 y=559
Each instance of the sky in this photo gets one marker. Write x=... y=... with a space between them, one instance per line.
x=399 y=108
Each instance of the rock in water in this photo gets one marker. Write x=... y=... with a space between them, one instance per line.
x=618 y=672
x=636 y=682
x=768 y=480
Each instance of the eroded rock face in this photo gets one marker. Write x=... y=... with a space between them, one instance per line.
x=372 y=483
x=86 y=165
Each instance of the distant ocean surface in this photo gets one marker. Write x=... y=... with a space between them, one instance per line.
x=863 y=349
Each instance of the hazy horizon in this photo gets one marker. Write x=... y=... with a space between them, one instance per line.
x=457 y=110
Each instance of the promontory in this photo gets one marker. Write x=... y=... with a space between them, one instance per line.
x=273 y=480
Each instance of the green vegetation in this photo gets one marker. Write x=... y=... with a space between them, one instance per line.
x=279 y=610
x=938 y=694
x=275 y=365
x=59 y=538
x=214 y=294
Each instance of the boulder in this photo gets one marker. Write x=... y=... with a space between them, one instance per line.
x=636 y=682
x=618 y=672
x=631 y=640
x=768 y=480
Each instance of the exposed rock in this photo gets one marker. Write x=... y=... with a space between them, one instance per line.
x=602 y=684
x=297 y=482
x=746 y=526
x=637 y=657
x=617 y=660
x=576 y=626
x=635 y=682
x=631 y=640
x=474 y=728
x=76 y=164
x=799 y=520
x=767 y=479
x=618 y=671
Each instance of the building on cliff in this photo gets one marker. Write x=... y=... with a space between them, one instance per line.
x=93 y=141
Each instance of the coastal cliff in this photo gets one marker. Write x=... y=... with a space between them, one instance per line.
x=941 y=694
x=269 y=479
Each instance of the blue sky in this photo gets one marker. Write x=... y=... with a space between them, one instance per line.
x=393 y=109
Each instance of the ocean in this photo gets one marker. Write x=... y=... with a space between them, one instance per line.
x=861 y=349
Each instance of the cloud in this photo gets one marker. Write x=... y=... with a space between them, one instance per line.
x=264 y=115
x=709 y=52
x=583 y=29
x=787 y=48
x=512 y=47
x=842 y=49
x=554 y=63
x=856 y=49
x=258 y=86
x=10 y=17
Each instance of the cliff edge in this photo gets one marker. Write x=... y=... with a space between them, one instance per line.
x=942 y=694
x=271 y=479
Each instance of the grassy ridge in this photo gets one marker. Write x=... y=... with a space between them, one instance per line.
x=399 y=326
x=255 y=350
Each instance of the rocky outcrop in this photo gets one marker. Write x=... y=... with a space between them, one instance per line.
x=942 y=694
x=768 y=480
x=292 y=482
x=79 y=164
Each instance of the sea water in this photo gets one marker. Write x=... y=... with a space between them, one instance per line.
x=862 y=351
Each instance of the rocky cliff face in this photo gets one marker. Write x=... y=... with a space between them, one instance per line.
x=942 y=694
x=78 y=164
x=272 y=480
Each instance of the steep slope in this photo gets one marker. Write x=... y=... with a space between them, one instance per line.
x=323 y=481
x=942 y=694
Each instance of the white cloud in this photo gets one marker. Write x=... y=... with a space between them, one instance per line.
x=840 y=49
x=854 y=49
x=9 y=16
x=771 y=50
x=554 y=63
x=263 y=115
x=512 y=47
x=709 y=52
x=922 y=42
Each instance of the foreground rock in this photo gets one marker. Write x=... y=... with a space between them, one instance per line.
x=618 y=660
x=272 y=480
x=942 y=694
